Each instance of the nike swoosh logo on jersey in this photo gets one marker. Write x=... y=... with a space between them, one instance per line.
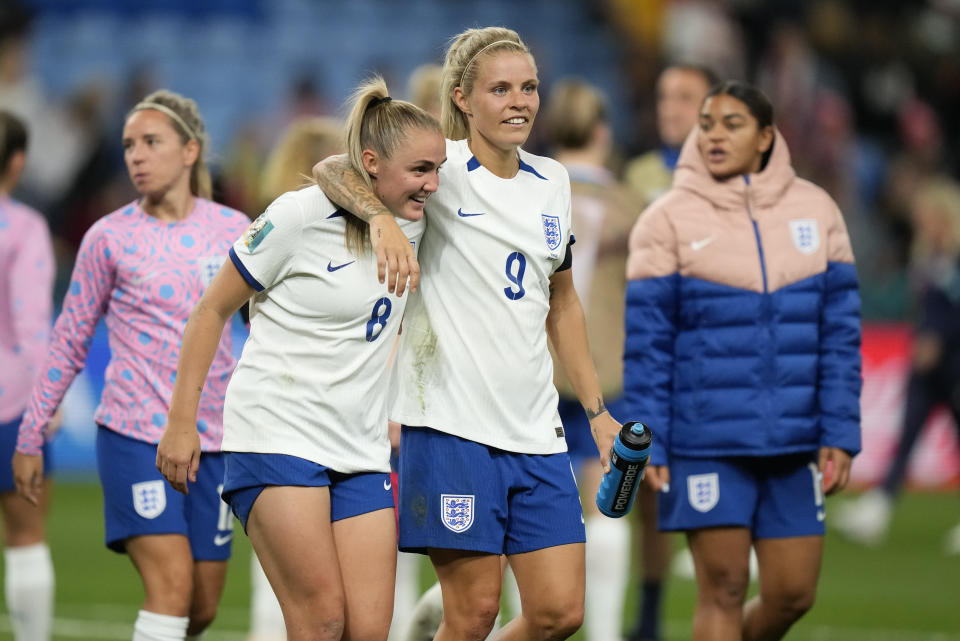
x=331 y=268
x=463 y=214
x=697 y=245
x=387 y=485
x=222 y=539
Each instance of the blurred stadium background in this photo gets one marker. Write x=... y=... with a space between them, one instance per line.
x=867 y=94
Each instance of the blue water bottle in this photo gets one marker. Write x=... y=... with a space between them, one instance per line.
x=631 y=451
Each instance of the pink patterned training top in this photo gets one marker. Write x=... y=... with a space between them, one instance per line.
x=145 y=275
x=26 y=302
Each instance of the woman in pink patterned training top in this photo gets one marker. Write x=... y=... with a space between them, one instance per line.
x=143 y=267
x=26 y=293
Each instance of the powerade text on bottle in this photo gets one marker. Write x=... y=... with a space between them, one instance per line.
x=631 y=451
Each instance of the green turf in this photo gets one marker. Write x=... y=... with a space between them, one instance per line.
x=905 y=590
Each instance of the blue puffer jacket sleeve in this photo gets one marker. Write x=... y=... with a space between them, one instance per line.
x=650 y=325
x=839 y=369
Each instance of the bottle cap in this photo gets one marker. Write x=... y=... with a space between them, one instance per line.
x=636 y=435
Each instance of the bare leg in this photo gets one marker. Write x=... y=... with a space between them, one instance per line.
x=367 y=549
x=290 y=530
x=721 y=557
x=789 y=569
x=551 y=583
x=470 y=583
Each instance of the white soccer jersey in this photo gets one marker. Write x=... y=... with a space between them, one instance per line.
x=312 y=379
x=473 y=357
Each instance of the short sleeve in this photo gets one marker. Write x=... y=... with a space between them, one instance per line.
x=264 y=252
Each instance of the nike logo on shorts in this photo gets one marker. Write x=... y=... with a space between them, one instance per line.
x=331 y=268
x=463 y=214
x=222 y=539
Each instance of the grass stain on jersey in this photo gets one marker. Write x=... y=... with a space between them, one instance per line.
x=424 y=351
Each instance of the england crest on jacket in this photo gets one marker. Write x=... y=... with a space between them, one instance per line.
x=551 y=231
x=806 y=235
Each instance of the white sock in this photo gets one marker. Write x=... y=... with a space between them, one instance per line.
x=28 y=585
x=405 y=594
x=151 y=626
x=266 y=618
x=608 y=561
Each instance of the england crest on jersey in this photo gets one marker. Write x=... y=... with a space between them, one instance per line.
x=551 y=231
x=703 y=491
x=457 y=511
x=806 y=235
x=208 y=267
x=149 y=499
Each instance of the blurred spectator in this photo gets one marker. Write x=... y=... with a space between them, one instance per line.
x=424 y=88
x=578 y=128
x=679 y=93
x=306 y=142
x=935 y=372
x=59 y=146
x=680 y=90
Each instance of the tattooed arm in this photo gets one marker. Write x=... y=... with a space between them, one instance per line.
x=395 y=258
x=567 y=330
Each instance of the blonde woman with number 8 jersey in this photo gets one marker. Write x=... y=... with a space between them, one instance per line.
x=305 y=421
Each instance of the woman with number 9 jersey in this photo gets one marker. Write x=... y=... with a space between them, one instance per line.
x=305 y=421
x=473 y=379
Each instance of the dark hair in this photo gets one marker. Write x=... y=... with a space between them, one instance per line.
x=756 y=101
x=13 y=138
x=757 y=104
x=705 y=72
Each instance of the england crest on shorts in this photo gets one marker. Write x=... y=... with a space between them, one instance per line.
x=703 y=491
x=457 y=511
x=806 y=235
x=149 y=499
x=551 y=231
x=208 y=267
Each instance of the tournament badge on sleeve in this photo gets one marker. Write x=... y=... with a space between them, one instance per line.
x=703 y=491
x=806 y=236
x=457 y=511
x=257 y=231
x=551 y=231
x=149 y=499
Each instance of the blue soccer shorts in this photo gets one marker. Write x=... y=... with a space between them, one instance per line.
x=774 y=497
x=8 y=445
x=248 y=473
x=461 y=495
x=138 y=501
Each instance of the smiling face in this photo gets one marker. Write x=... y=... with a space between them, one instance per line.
x=157 y=158
x=404 y=181
x=729 y=137
x=503 y=101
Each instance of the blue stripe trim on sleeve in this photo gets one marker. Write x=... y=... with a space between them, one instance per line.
x=247 y=276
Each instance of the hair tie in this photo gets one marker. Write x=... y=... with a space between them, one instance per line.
x=470 y=62
x=378 y=101
x=140 y=106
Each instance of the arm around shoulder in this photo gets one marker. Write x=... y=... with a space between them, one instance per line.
x=396 y=260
